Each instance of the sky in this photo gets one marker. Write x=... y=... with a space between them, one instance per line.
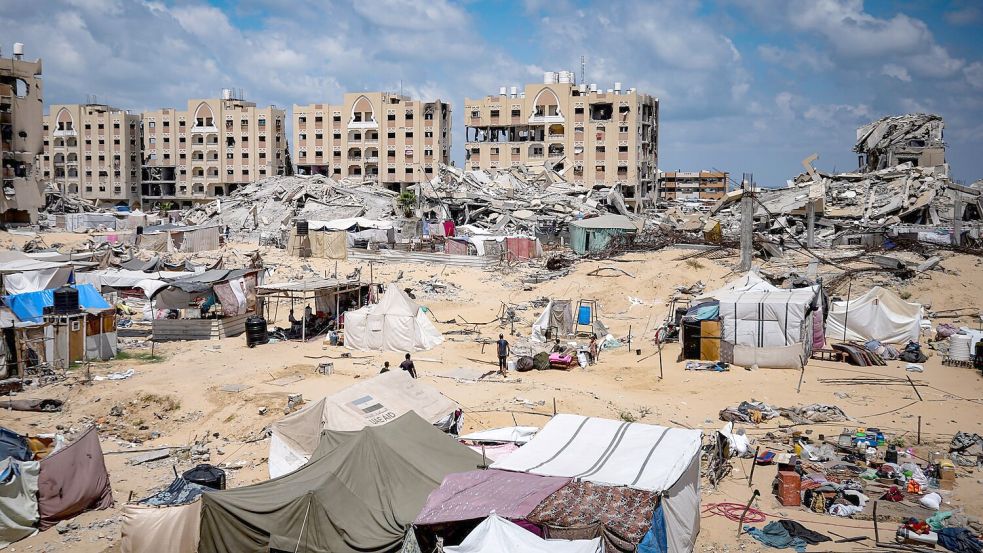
x=745 y=86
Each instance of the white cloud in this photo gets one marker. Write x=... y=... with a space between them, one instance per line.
x=801 y=57
x=974 y=74
x=968 y=15
x=896 y=71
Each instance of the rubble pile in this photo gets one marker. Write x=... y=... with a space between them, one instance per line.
x=886 y=140
x=269 y=205
x=58 y=202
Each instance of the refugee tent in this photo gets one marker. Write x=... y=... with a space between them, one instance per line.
x=371 y=402
x=594 y=234
x=556 y=320
x=877 y=315
x=639 y=456
x=21 y=273
x=18 y=499
x=479 y=493
x=29 y=307
x=148 y=282
x=73 y=480
x=510 y=434
x=768 y=329
x=170 y=517
x=396 y=323
x=495 y=535
x=357 y=494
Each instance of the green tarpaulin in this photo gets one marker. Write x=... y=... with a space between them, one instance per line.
x=359 y=493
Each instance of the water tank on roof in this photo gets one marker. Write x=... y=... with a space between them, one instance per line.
x=66 y=301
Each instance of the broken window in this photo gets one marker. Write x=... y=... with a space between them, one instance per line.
x=623 y=109
x=494 y=113
x=599 y=149
x=336 y=118
x=318 y=119
x=601 y=111
x=475 y=114
x=336 y=136
x=427 y=134
x=578 y=111
x=391 y=154
x=409 y=115
x=391 y=170
x=409 y=170
x=516 y=113
x=409 y=134
x=302 y=119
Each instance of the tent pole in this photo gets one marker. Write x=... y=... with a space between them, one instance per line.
x=846 y=316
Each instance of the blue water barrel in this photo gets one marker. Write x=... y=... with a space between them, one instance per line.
x=583 y=315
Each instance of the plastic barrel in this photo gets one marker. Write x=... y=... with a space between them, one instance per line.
x=256 y=332
x=959 y=347
x=206 y=475
x=302 y=228
x=978 y=358
x=66 y=300
x=583 y=315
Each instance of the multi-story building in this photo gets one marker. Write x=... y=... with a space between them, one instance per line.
x=209 y=150
x=600 y=138
x=387 y=138
x=21 y=111
x=93 y=150
x=694 y=185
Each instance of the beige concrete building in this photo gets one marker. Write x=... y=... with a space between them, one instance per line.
x=93 y=150
x=388 y=138
x=693 y=185
x=207 y=151
x=597 y=137
x=21 y=141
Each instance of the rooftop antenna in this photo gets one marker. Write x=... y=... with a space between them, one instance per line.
x=583 y=69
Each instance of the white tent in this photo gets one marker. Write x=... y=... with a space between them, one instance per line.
x=371 y=402
x=750 y=282
x=640 y=456
x=558 y=315
x=396 y=323
x=496 y=535
x=21 y=274
x=877 y=315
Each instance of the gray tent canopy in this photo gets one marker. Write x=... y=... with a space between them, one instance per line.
x=358 y=493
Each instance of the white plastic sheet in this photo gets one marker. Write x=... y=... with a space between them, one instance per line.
x=497 y=535
x=877 y=315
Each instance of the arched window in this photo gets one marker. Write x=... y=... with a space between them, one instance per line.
x=203 y=116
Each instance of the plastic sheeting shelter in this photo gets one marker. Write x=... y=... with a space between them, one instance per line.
x=21 y=273
x=594 y=234
x=557 y=316
x=877 y=315
x=640 y=456
x=770 y=328
x=18 y=500
x=356 y=495
x=149 y=528
x=372 y=402
x=497 y=535
x=73 y=480
x=29 y=307
x=396 y=323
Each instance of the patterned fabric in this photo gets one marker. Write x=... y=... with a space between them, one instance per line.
x=585 y=510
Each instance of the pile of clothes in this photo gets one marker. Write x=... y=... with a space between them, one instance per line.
x=782 y=534
x=751 y=412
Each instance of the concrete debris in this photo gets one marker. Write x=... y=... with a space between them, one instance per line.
x=890 y=141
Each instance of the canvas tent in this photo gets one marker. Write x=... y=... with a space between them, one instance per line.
x=396 y=323
x=477 y=494
x=73 y=480
x=557 y=317
x=357 y=495
x=20 y=273
x=877 y=315
x=18 y=500
x=615 y=453
x=170 y=517
x=497 y=535
x=372 y=402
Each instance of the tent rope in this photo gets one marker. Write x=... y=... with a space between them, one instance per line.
x=304 y=524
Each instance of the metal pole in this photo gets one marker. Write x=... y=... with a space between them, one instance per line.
x=811 y=224
x=919 y=430
x=660 y=359
x=740 y=524
x=846 y=315
x=802 y=375
x=754 y=462
x=747 y=228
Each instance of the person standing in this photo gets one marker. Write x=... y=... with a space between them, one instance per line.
x=595 y=351
x=503 y=354
x=407 y=365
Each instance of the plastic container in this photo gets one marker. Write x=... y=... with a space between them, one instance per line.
x=206 y=475
x=66 y=301
x=302 y=228
x=256 y=332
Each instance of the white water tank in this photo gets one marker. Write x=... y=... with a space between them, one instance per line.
x=501 y=91
x=514 y=91
x=593 y=87
x=617 y=88
x=566 y=77
x=226 y=93
x=18 y=50
x=549 y=77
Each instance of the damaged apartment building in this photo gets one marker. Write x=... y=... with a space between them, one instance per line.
x=93 y=150
x=590 y=136
x=890 y=141
x=380 y=137
x=21 y=109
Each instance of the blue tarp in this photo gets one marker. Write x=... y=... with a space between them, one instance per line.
x=29 y=307
x=656 y=540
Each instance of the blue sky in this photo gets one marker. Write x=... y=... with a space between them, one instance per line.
x=745 y=85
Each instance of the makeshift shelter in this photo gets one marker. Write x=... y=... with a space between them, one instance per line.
x=396 y=323
x=639 y=456
x=29 y=307
x=371 y=402
x=555 y=321
x=169 y=517
x=229 y=295
x=479 y=493
x=18 y=499
x=176 y=238
x=877 y=315
x=357 y=494
x=497 y=535
x=594 y=234
x=73 y=480
x=20 y=274
x=328 y=297
x=325 y=244
x=148 y=283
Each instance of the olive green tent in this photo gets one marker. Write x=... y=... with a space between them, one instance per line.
x=359 y=493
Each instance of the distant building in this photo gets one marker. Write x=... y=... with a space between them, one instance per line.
x=93 y=150
x=209 y=150
x=698 y=185
x=596 y=137
x=21 y=141
x=376 y=136
x=889 y=141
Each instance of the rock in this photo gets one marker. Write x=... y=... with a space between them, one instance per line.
x=116 y=411
x=262 y=410
x=293 y=400
x=150 y=456
x=66 y=526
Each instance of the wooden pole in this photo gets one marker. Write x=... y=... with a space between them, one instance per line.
x=660 y=360
x=915 y=388
x=554 y=407
x=802 y=375
x=629 y=338
x=740 y=524
x=919 y=430
x=754 y=462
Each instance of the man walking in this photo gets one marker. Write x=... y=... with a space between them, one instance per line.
x=407 y=365
x=503 y=354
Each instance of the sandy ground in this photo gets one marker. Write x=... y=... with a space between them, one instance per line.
x=181 y=398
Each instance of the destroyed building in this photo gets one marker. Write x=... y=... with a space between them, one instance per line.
x=382 y=137
x=890 y=141
x=693 y=185
x=93 y=151
x=588 y=135
x=21 y=108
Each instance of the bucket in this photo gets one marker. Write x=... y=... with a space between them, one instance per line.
x=638 y=352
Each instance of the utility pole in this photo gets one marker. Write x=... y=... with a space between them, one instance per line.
x=747 y=223
x=957 y=217
x=811 y=224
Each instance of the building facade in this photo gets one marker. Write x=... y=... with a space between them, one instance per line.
x=207 y=151
x=387 y=138
x=93 y=150
x=693 y=185
x=595 y=137
x=21 y=140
